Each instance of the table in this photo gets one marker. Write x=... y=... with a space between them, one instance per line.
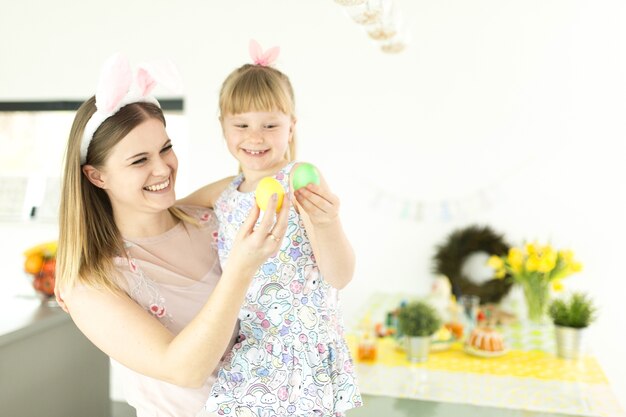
x=529 y=378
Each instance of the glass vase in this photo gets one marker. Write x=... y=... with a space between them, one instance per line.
x=537 y=296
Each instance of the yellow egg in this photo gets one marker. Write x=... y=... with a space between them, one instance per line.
x=264 y=190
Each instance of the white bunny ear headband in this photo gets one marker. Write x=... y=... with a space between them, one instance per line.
x=117 y=88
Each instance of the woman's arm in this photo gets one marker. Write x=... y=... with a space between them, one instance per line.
x=127 y=333
x=319 y=209
x=207 y=195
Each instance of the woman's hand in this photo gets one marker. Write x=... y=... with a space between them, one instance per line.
x=252 y=247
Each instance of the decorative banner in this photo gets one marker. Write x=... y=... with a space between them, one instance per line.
x=462 y=207
x=444 y=210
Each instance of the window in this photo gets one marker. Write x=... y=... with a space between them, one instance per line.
x=33 y=136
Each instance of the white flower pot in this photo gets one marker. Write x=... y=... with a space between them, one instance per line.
x=417 y=348
x=569 y=342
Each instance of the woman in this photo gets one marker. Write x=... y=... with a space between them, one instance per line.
x=140 y=277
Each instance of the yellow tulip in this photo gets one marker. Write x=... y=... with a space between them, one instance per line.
x=548 y=250
x=495 y=262
x=545 y=265
x=516 y=259
x=557 y=285
x=531 y=248
x=547 y=260
x=532 y=263
x=567 y=255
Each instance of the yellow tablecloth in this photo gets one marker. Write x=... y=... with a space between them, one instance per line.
x=515 y=363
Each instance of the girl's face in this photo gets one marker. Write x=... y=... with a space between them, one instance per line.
x=140 y=172
x=258 y=140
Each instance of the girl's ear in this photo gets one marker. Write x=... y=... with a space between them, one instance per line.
x=221 y=119
x=94 y=176
x=292 y=128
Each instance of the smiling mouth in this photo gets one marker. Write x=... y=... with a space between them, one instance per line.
x=158 y=187
x=255 y=153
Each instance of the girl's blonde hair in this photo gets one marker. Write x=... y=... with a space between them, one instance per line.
x=259 y=88
x=88 y=236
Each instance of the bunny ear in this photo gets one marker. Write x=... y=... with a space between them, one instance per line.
x=145 y=82
x=163 y=72
x=114 y=83
x=270 y=56
x=256 y=53
x=262 y=58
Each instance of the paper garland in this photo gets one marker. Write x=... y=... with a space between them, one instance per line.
x=439 y=210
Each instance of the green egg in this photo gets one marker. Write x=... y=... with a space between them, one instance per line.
x=303 y=175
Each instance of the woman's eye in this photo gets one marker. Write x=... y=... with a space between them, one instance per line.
x=139 y=161
x=241 y=126
x=167 y=148
x=270 y=126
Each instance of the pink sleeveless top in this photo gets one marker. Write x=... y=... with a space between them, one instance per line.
x=171 y=276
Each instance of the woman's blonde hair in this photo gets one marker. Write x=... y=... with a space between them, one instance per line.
x=88 y=236
x=259 y=88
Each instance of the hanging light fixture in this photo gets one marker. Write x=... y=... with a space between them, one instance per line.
x=367 y=13
x=350 y=2
x=381 y=21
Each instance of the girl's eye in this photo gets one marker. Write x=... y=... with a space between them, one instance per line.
x=241 y=126
x=270 y=126
x=167 y=148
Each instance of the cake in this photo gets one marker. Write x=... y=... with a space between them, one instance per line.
x=487 y=339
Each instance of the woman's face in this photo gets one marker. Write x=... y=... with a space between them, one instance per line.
x=140 y=172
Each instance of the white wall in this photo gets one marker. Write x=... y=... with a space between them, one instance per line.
x=519 y=102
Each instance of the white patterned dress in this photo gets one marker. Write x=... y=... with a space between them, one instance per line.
x=290 y=357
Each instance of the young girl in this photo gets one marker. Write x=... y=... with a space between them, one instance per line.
x=290 y=357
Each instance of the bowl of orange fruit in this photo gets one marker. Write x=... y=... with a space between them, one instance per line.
x=39 y=264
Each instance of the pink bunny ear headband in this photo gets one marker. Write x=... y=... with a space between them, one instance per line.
x=264 y=59
x=117 y=88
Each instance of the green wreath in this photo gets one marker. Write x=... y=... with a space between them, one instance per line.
x=449 y=259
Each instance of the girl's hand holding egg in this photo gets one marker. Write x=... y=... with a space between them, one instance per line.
x=313 y=195
x=303 y=175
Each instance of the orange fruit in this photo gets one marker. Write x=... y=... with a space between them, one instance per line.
x=33 y=263
x=46 y=284
x=48 y=266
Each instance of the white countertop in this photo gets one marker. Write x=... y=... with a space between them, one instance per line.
x=21 y=309
x=22 y=315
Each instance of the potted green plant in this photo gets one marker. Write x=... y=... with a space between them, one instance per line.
x=571 y=317
x=418 y=321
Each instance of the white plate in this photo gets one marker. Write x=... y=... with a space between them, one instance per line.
x=483 y=353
